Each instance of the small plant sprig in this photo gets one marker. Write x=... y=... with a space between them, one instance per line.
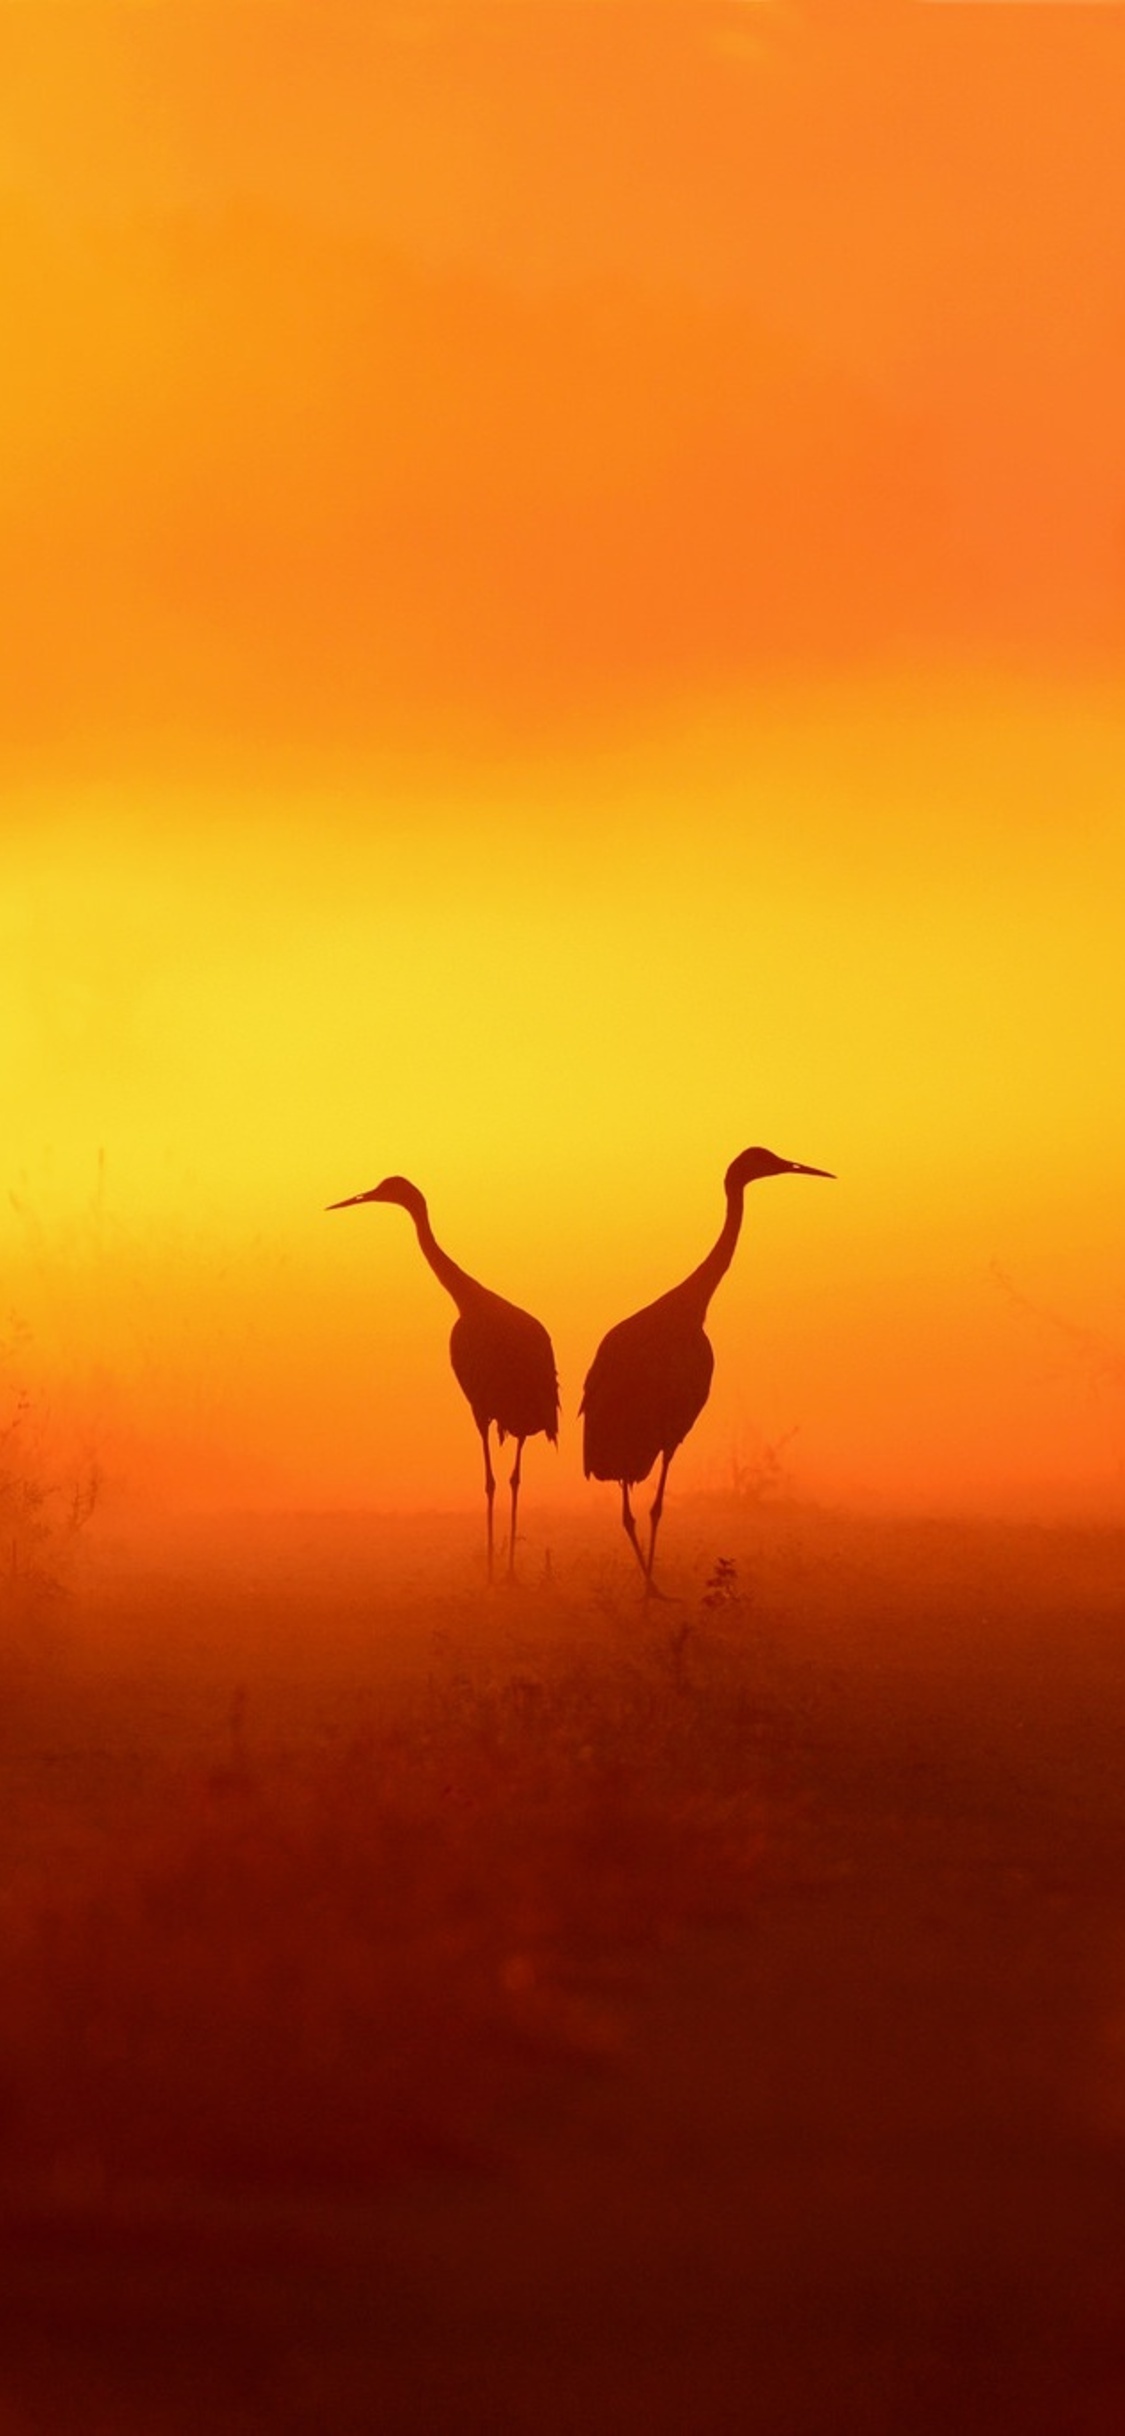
x=722 y=1588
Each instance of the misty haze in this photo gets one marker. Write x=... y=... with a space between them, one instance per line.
x=562 y=1826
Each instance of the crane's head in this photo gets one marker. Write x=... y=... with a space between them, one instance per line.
x=392 y=1188
x=752 y=1164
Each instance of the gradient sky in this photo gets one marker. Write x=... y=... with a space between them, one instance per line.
x=564 y=613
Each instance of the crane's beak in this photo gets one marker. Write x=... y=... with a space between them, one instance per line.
x=796 y=1169
x=350 y=1203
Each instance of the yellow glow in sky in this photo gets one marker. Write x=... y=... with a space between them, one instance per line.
x=561 y=1005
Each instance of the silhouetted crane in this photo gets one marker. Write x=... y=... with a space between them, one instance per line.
x=651 y=1376
x=502 y=1358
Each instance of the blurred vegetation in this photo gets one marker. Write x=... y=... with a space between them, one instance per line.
x=42 y=1514
x=320 y=1958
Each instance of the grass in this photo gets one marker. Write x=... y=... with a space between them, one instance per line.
x=427 y=2009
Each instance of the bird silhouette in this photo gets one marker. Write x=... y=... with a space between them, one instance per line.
x=502 y=1359
x=651 y=1376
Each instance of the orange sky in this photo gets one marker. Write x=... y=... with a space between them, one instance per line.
x=564 y=614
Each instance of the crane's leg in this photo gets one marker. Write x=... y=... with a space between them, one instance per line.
x=630 y=1525
x=515 y=1502
x=655 y=1511
x=489 y=1489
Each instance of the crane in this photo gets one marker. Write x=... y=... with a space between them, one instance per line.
x=502 y=1358
x=651 y=1376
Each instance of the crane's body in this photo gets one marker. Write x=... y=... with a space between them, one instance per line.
x=503 y=1361
x=651 y=1375
x=648 y=1383
x=502 y=1358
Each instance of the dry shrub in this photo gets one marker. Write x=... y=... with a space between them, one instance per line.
x=43 y=1511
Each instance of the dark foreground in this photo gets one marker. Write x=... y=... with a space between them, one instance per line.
x=439 y=2013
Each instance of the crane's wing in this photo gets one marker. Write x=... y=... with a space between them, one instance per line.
x=647 y=1384
x=504 y=1362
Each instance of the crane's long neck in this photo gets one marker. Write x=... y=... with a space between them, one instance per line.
x=457 y=1282
x=702 y=1282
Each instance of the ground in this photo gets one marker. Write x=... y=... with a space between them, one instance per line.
x=427 y=2009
